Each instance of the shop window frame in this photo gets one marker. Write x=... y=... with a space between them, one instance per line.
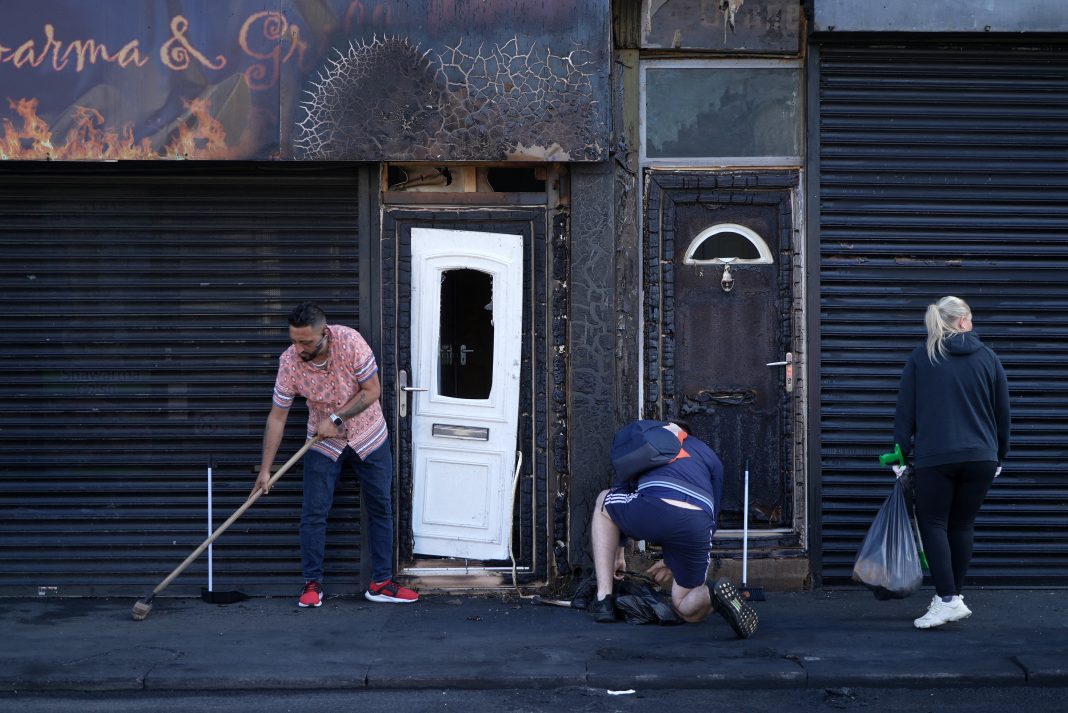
x=724 y=64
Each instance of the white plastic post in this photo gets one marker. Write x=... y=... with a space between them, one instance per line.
x=745 y=527
x=209 y=527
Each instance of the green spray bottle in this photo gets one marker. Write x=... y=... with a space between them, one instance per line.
x=896 y=457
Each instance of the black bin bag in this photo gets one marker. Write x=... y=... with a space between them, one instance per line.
x=888 y=562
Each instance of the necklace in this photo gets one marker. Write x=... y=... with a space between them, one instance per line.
x=320 y=366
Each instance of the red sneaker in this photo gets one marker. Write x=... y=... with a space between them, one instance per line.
x=312 y=596
x=391 y=593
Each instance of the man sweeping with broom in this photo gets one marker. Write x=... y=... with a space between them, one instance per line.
x=333 y=368
x=667 y=490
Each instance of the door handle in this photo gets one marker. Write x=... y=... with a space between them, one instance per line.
x=789 y=364
x=464 y=351
x=402 y=397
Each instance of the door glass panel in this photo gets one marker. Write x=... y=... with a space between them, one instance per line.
x=465 y=349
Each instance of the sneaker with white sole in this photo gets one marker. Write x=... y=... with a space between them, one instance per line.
x=940 y=612
x=390 y=592
x=312 y=596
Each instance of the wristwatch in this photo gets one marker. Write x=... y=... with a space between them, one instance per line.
x=337 y=420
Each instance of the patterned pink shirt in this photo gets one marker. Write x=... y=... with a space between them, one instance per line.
x=329 y=388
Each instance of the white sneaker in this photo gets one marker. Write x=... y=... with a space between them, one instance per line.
x=940 y=612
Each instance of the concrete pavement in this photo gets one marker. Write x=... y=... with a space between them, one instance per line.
x=823 y=639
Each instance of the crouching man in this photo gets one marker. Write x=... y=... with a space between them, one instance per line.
x=674 y=503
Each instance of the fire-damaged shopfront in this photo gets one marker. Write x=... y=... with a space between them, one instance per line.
x=547 y=219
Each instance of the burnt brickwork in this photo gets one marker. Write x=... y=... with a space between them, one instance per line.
x=592 y=325
x=389 y=99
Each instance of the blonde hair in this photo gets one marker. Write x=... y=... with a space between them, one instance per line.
x=941 y=319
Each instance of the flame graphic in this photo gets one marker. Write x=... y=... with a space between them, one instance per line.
x=198 y=136
x=207 y=140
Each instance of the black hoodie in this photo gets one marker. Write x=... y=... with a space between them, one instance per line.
x=957 y=407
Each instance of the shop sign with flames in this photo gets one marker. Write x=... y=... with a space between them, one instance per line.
x=196 y=136
x=363 y=80
x=130 y=80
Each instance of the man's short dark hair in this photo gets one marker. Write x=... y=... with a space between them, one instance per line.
x=307 y=314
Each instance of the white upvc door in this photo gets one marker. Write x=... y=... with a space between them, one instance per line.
x=466 y=307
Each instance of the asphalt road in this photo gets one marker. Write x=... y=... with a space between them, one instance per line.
x=567 y=700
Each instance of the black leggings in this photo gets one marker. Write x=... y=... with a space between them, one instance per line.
x=947 y=500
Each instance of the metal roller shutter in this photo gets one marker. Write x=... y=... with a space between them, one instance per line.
x=145 y=309
x=942 y=171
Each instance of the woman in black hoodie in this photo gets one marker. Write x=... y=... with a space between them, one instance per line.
x=953 y=418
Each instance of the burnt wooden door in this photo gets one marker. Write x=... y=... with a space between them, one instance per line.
x=718 y=326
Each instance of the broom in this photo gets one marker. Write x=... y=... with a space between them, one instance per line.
x=143 y=607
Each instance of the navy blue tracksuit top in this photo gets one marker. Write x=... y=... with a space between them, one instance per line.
x=957 y=408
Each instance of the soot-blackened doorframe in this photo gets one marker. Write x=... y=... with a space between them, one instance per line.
x=529 y=523
x=660 y=253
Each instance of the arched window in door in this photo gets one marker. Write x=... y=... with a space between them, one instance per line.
x=728 y=243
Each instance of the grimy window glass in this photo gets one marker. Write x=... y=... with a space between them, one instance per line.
x=465 y=349
x=694 y=112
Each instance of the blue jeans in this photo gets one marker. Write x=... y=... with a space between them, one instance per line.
x=376 y=482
